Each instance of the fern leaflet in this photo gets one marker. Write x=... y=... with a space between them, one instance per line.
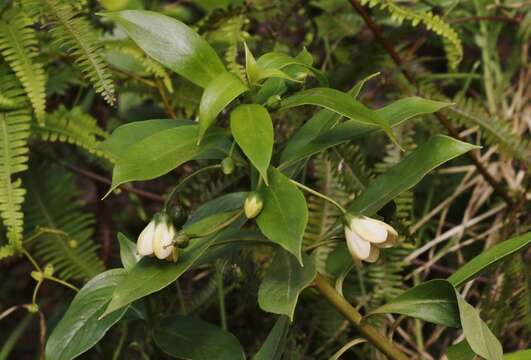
x=452 y=42
x=18 y=46
x=51 y=204
x=75 y=34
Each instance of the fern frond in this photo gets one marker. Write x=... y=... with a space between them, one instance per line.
x=231 y=32
x=350 y=167
x=322 y=215
x=74 y=127
x=495 y=131
x=51 y=204
x=6 y=251
x=14 y=133
x=434 y=23
x=75 y=35
x=19 y=47
x=150 y=66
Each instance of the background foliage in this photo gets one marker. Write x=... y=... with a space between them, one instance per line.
x=70 y=77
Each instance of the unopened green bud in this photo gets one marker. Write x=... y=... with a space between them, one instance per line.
x=178 y=215
x=253 y=205
x=48 y=270
x=37 y=275
x=32 y=308
x=181 y=240
x=227 y=166
x=273 y=102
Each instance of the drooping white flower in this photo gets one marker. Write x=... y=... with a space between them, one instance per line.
x=162 y=241
x=365 y=236
x=144 y=244
x=157 y=237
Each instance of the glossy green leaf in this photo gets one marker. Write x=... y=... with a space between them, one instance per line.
x=275 y=343
x=214 y=213
x=128 y=253
x=285 y=214
x=488 y=258
x=283 y=282
x=151 y=275
x=192 y=339
x=128 y=134
x=321 y=137
x=171 y=43
x=408 y=172
x=252 y=129
x=80 y=328
x=217 y=95
x=227 y=202
x=255 y=73
x=477 y=333
x=162 y=152
x=432 y=301
x=276 y=60
x=338 y=102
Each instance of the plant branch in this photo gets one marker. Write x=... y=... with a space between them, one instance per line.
x=389 y=48
x=352 y=315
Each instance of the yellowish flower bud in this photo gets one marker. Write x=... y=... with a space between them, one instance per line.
x=144 y=244
x=163 y=238
x=253 y=205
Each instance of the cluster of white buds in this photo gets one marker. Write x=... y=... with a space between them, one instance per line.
x=157 y=237
x=366 y=236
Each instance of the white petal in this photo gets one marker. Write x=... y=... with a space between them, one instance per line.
x=358 y=247
x=392 y=237
x=162 y=240
x=373 y=256
x=144 y=244
x=369 y=229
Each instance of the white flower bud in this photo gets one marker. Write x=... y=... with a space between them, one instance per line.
x=163 y=239
x=365 y=236
x=144 y=244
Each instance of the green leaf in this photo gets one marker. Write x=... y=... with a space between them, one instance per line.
x=285 y=214
x=519 y=355
x=80 y=328
x=274 y=345
x=339 y=102
x=192 y=339
x=488 y=258
x=255 y=73
x=283 y=282
x=128 y=134
x=214 y=213
x=408 y=172
x=321 y=137
x=151 y=275
x=477 y=333
x=432 y=301
x=217 y=95
x=460 y=351
x=171 y=43
x=128 y=253
x=252 y=129
x=276 y=60
x=162 y=152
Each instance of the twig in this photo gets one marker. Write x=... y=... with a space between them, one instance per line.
x=389 y=48
x=351 y=314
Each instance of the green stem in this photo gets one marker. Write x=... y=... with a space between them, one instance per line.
x=351 y=314
x=179 y=186
x=221 y=296
x=322 y=196
x=62 y=282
